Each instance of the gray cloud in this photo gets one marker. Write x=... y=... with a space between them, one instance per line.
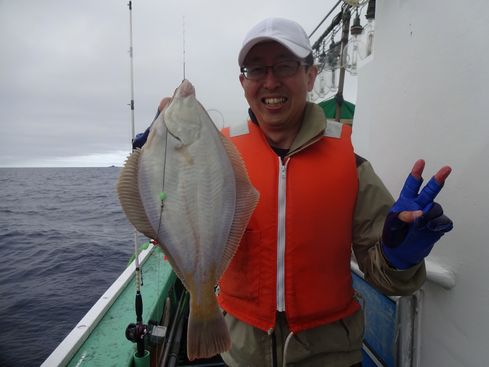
x=64 y=69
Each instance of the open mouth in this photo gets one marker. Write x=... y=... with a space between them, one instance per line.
x=274 y=101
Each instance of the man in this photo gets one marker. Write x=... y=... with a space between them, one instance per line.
x=287 y=293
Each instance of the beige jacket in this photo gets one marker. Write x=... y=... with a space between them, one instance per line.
x=373 y=203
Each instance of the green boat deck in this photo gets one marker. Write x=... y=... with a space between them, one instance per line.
x=107 y=345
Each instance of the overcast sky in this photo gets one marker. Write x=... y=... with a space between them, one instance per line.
x=65 y=70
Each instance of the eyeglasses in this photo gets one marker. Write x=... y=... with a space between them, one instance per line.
x=281 y=69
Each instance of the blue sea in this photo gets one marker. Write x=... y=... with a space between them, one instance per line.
x=63 y=240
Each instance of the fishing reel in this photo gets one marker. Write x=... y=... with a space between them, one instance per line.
x=138 y=332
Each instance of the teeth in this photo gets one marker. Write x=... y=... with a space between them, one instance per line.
x=274 y=100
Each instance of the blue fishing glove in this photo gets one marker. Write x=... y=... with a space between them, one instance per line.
x=141 y=138
x=407 y=244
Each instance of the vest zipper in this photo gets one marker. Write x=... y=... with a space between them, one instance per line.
x=282 y=183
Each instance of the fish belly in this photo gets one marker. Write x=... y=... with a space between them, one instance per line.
x=194 y=220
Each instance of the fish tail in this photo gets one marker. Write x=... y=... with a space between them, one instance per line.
x=207 y=334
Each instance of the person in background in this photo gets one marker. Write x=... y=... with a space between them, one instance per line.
x=287 y=294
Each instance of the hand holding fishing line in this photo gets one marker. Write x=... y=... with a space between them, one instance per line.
x=415 y=222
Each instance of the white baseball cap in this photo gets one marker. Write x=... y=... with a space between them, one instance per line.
x=284 y=31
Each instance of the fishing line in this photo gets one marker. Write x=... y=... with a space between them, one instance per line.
x=163 y=193
x=183 y=44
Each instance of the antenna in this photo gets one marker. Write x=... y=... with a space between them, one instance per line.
x=183 y=44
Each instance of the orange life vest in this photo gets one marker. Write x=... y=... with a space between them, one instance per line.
x=300 y=230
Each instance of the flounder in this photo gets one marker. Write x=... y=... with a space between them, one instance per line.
x=188 y=188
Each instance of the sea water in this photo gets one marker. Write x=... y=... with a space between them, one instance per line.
x=63 y=240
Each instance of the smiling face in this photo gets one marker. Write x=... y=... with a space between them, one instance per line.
x=278 y=103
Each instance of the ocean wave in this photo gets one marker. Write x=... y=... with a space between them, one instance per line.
x=63 y=241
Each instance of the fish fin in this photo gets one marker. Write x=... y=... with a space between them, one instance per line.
x=246 y=200
x=129 y=197
x=208 y=334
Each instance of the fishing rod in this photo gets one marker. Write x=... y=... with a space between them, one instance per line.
x=135 y=332
x=131 y=57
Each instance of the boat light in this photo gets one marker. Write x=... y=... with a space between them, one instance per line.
x=355 y=49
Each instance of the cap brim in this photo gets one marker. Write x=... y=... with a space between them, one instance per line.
x=297 y=50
